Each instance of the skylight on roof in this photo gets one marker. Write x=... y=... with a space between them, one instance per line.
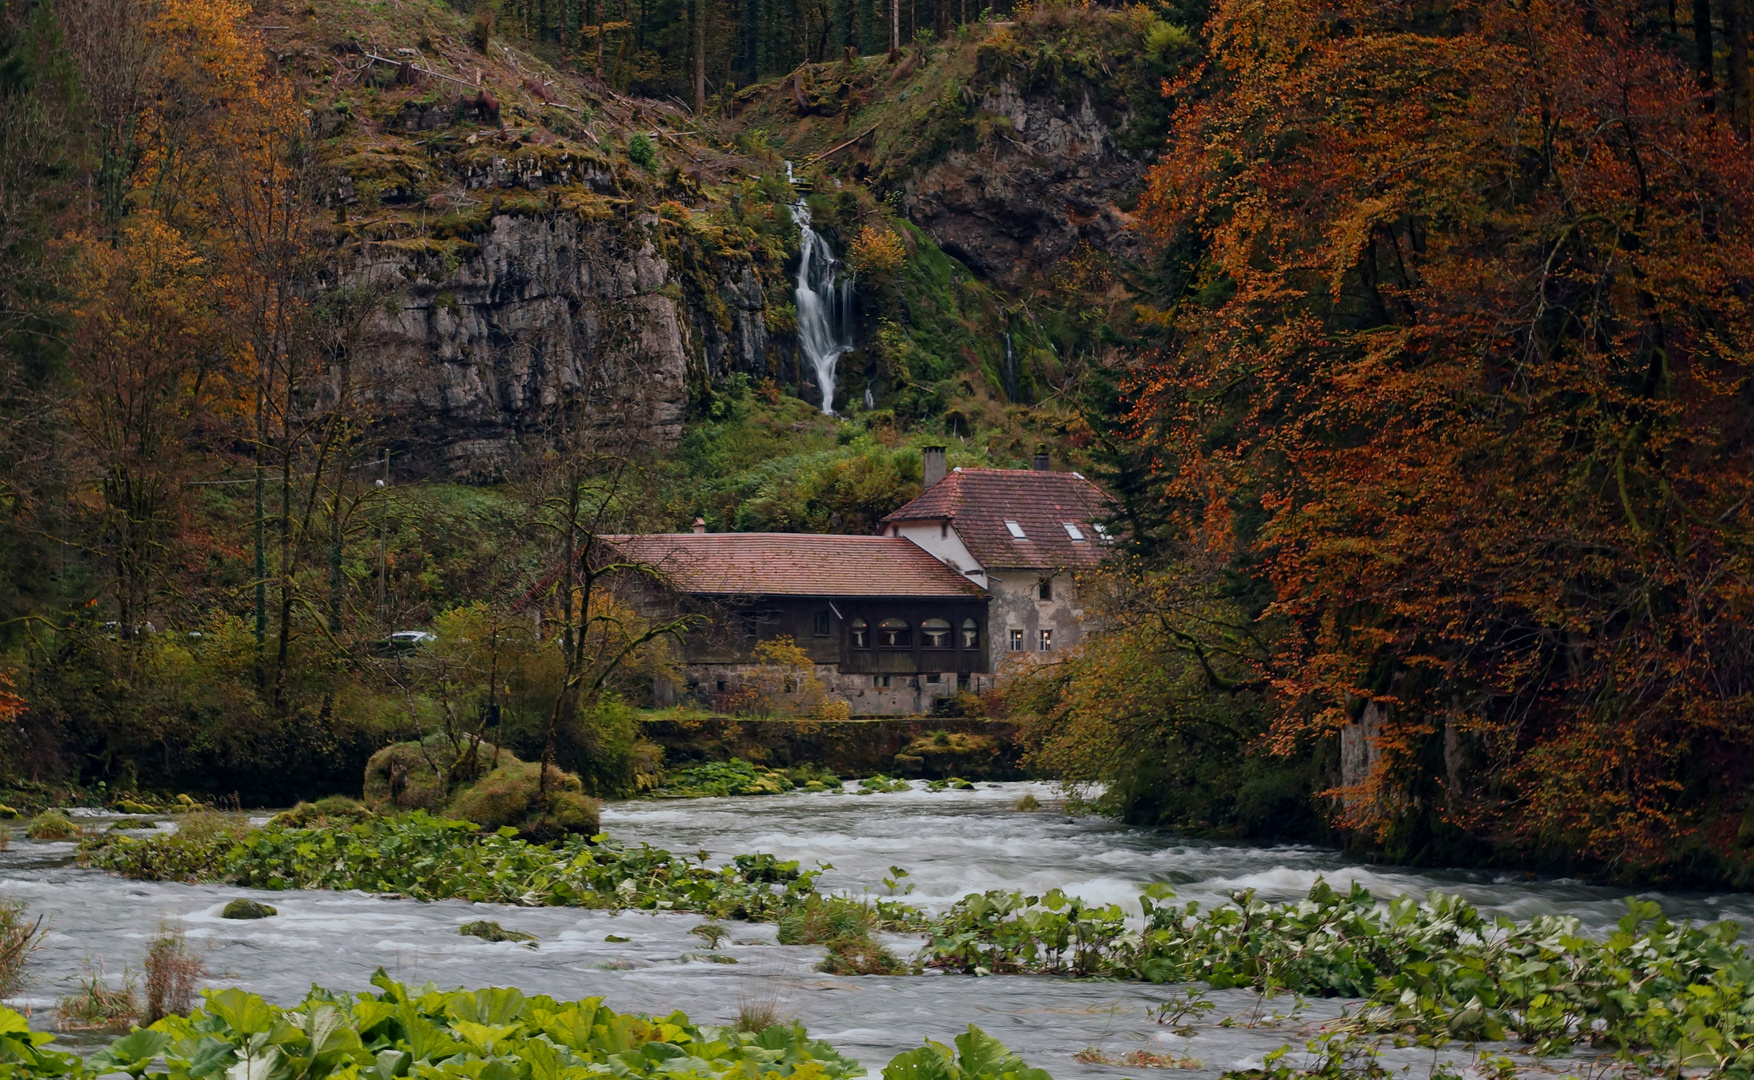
x=1016 y=530
x=1072 y=530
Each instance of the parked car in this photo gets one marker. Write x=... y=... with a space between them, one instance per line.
x=402 y=641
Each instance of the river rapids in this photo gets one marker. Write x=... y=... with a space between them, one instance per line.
x=951 y=843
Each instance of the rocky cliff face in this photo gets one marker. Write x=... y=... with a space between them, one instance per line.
x=1050 y=178
x=552 y=322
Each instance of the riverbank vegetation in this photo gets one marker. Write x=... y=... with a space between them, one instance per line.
x=1433 y=969
x=1432 y=460
x=422 y=1031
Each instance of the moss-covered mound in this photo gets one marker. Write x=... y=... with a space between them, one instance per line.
x=52 y=825
x=406 y=776
x=334 y=810
x=512 y=795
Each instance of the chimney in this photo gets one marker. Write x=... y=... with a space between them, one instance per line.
x=1041 y=458
x=934 y=464
x=699 y=526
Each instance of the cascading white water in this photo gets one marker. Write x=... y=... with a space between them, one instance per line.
x=951 y=842
x=825 y=304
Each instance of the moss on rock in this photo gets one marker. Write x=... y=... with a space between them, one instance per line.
x=333 y=810
x=52 y=825
x=511 y=795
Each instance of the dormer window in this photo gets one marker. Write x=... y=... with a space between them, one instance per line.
x=1016 y=530
x=1072 y=530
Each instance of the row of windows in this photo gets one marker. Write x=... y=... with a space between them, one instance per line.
x=895 y=633
x=1015 y=528
x=886 y=682
x=1044 y=640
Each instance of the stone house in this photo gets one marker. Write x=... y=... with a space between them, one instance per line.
x=1023 y=535
x=889 y=628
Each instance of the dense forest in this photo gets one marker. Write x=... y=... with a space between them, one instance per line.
x=1410 y=340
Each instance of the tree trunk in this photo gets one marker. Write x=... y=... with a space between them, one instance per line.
x=895 y=28
x=699 y=56
x=1705 y=53
x=1736 y=76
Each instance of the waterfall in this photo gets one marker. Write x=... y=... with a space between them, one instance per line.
x=1009 y=372
x=825 y=304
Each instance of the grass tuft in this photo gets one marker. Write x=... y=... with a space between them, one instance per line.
x=19 y=937
x=172 y=969
x=97 y=1006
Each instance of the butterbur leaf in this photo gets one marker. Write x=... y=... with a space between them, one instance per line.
x=542 y=1058
x=393 y=990
x=211 y=1056
x=928 y=1062
x=983 y=1055
x=390 y=1064
x=245 y=1014
x=426 y=1040
x=490 y=1005
x=329 y=1031
x=371 y=1012
x=486 y=1037
x=266 y=1065
x=132 y=1053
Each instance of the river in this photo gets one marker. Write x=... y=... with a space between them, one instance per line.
x=950 y=842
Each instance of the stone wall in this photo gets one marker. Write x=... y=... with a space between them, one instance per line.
x=906 y=695
x=971 y=748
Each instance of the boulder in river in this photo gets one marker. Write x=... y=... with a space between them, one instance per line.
x=247 y=909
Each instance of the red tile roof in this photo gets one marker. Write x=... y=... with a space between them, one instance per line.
x=794 y=564
x=978 y=503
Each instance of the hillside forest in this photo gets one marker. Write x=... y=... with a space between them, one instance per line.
x=1411 y=341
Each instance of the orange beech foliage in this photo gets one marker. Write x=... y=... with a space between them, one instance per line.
x=148 y=366
x=11 y=705
x=1462 y=368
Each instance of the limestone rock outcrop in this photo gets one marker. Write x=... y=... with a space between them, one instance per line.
x=1052 y=177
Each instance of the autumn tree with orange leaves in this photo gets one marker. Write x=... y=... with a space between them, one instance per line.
x=1459 y=375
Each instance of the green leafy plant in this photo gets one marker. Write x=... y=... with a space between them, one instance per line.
x=430 y=858
x=52 y=825
x=642 y=152
x=977 y=1056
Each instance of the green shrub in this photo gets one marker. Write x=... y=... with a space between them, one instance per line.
x=511 y=796
x=641 y=152
x=334 y=810
x=52 y=825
